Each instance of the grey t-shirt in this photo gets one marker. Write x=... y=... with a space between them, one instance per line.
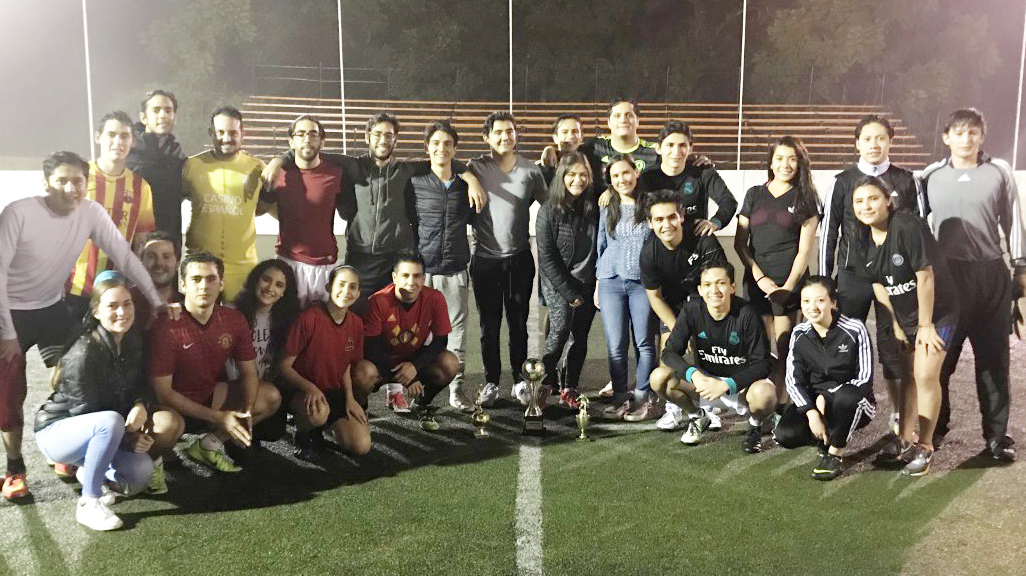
x=501 y=229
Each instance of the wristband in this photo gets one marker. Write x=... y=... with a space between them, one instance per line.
x=689 y=372
x=731 y=385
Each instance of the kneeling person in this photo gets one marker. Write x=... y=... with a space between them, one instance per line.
x=732 y=361
x=401 y=319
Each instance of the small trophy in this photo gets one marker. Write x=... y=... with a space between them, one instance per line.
x=583 y=418
x=480 y=419
x=533 y=373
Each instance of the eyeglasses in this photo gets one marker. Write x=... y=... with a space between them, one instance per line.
x=301 y=134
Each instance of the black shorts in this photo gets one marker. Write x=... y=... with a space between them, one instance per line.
x=336 y=403
x=945 y=327
x=763 y=305
x=50 y=329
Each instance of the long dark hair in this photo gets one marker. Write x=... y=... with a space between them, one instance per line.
x=284 y=311
x=613 y=208
x=863 y=233
x=561 y=199
x=90 y=324
x=806 y=201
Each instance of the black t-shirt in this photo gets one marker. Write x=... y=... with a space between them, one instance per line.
x=734 y=347
x=695 y=185
x=676 y=271
x=774 y=229
x=908 y=248
x=599 y=150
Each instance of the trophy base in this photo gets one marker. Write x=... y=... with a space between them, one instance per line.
x=533 y=427
x=481 y=433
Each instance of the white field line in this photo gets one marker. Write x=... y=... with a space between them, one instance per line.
x=529 y=512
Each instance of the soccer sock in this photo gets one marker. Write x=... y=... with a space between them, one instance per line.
x=211 y=442
x=394 y=387
x=16 y=466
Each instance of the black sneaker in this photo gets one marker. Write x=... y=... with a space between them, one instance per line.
x=829 y=467
x=1002 y=449
x=752 y=442
x=920 y=465
x=306 y=444
x=426 y=414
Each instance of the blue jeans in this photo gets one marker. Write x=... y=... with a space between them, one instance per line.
x=92 y=442
x=625 y=309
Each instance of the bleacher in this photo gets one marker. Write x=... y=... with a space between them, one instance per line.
x=827 y=130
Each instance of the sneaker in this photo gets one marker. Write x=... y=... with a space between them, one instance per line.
x=64 y=470
x=715 y=424
x=570 y=398
x=829 y=467
x=920 y=465
x=648 y=410
x=606 y=393
x=752 y=442
x=672 y=419
x=427 y=418
x=489 y=394
x=1002 y=449
x=215 y=459
x=14 y=486
x=397 y=402
x=458 y=401
x=896 y=454
x=157 y=484
x=304 y=442
x=94 y=514
x=617 y=411
x=696 y=426
x=522 y=393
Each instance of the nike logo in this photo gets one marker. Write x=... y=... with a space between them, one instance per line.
x=187 y=346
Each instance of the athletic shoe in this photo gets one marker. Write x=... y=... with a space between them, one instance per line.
x=672 y=419
x=920 y=465
x=14 y=486
x=458 y=401
x=829 y=467
x=752 y=442
x=522 y=393
x=427 y=418
x=606 y=393
x=648 y=410
x=94 y=514
x=489 y=394
x=696 y=426
x=304 y=442
x=896 y=454
x=1002 y=449
x=570 y=398
x=617 y=411
x=397 y=402
x=215 y=459
x=64 y=470
x=715 y=424
x=157 y=484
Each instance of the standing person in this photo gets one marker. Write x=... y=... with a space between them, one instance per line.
x=974 y=200
x=223 y=184
x=102 y=415
x=40 y=238
x=305 y=194
x=158 y=158
x=122 y=193
x=695 y=182
x=622 y=121
x=776 y=229
x=620 y=295
x=911 y=280
x=566 y=227
x=829 y=379
x=187 y=357
x=442 y=212
x=502 y=266
x=873 y=137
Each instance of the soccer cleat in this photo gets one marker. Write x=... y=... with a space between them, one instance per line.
x=522 y=393
x=672 y=418
x=715 y=423
x=896 y=453
x=215 y=459
x=696 y=426
x=648 y=410
x=458 y=401
x=64 y=470
x=397 y=402
x=14 y=486
x=920 y=465
x=606 y=393
x=489 y=394
x=829 y=467
x=752 y=442
x=427 y=418
x=157 y=484
x=617 y=411
x=570 y=398
x=1002 y=449
x=94 y=514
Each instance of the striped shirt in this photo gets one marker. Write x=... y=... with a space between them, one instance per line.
x=129 y=203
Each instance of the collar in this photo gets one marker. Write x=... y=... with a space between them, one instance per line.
x=874 y=169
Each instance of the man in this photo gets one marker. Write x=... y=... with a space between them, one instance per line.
x=441 y=214
x=40 y=238
x=567 y=136
x=305 y=194
x=732 y=362
x=160 y=258
x=223 y=185
x=839 y=230
x=670 y=262
x=974 y=200
x=406 y=330
x=158 y=158
x=188 y=354
x=502 y=266
x=623 y=137
x=122 y=193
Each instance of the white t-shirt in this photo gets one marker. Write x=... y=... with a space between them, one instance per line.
x=261 y=333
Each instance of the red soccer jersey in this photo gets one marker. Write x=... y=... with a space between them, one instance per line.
x=306 y=213
x=324 y=349
x=406 y=330
x=194 y=354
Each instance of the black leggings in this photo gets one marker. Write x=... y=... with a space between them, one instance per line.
x=847 y=410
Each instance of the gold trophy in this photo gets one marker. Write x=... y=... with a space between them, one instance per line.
x=583 y=418
x=534 y=422
x=480 y=419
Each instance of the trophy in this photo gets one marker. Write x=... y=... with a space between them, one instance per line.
x=533 y=372
x=583 y=418
x=480 y=419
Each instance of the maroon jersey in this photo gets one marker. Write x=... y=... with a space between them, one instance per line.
x=306 y=213
x=194 y=354
x=324 y=350
x=406 y=330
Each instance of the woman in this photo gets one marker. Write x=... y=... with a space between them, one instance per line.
x=622 y=232
x=912 y=281
x=829 y=379
x=566 y=226
x=101 y=415
x=776 y=230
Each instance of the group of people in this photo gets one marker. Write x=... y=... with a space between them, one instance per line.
x=147 y=345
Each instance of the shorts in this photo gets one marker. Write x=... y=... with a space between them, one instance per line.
x=945 y=329
x=50 y=329
x=311 y=279
x=336 y=398
x=766 y=307
x=730 y=402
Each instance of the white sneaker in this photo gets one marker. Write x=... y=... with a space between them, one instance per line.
x=522 y=393
x=696 y=426
x=489 y=394
x=458 y=401
x=714 y=420
x=95 y=515
x=607 y=390
x=672 y=419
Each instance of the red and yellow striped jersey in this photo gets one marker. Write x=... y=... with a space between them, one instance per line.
x=128 y=201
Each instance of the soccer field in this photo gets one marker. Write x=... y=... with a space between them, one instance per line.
x=632 y=501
